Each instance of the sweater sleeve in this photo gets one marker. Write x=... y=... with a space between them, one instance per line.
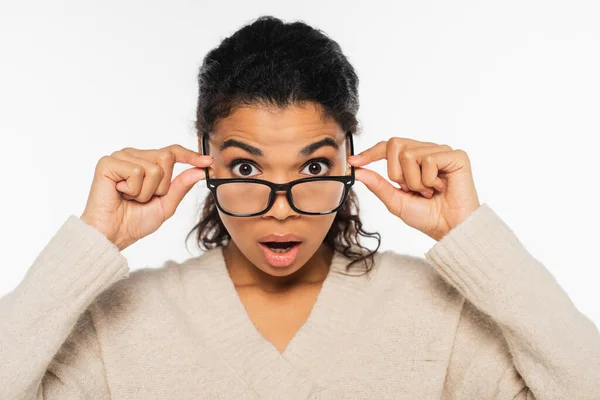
x=48 y=344
x=519 y=335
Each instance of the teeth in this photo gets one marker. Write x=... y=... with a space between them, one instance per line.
x=280 y=250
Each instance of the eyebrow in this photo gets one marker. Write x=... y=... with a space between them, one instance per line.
x=255 y=151
x=311 y=148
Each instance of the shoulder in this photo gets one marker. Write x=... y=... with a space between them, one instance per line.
x=415 y=285
x=141 y=287
x=150 y=288
x=411 y=273
x=406 y=291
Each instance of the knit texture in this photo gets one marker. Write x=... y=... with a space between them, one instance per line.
x=477 y=318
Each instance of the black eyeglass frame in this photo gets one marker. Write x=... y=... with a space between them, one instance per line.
x=213 y=184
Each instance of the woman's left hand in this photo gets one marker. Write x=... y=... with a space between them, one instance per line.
x=436 y=192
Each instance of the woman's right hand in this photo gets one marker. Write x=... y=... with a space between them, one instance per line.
x=132 y=194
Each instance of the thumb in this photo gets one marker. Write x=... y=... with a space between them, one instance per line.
x=392 y=197
x=180 y=186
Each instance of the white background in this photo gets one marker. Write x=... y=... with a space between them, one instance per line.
x=514 y=83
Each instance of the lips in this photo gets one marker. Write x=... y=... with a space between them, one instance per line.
x=280 y=238
x=280 y=250
x=280 y=257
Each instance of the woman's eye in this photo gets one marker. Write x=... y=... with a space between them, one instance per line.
x=316 y=168
x=243 y=169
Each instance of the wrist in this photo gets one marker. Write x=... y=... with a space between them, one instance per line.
x=121 y=244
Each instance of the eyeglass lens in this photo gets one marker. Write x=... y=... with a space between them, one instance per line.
x=249 y=197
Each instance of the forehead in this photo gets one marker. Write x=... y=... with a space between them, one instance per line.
x=269 y=127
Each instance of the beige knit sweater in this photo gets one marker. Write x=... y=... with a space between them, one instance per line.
x=477 y=318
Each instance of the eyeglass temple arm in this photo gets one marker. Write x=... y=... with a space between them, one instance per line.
x=205 y=152
x=349 y=134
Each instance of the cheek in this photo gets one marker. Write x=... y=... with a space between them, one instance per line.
x=237 y=227
x=318 y=228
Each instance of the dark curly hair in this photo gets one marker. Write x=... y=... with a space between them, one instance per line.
x=276 y=64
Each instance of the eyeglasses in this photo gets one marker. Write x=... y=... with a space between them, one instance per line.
x=249 y=197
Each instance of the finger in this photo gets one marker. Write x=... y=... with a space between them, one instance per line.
x=126 y=177
x=180 y=186
x=375 y=153
x=429 y=173
x=412 y=162
x=179 y=154
x=183 y=155
x=394 y=147
x=164 y=158
x=398 y=146
x=153 y=174
x=389 y=195
x=444 y=162
x=379 y=151
x=412 y=172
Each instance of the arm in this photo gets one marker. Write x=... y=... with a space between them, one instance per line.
x=519 y=336
x=48 y=344
x=481 y=366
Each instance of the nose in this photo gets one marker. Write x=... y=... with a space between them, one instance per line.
x=281 y=208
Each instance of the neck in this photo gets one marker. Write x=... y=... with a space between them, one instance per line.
x=244 y=273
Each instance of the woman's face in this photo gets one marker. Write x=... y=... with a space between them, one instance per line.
x=274 y=145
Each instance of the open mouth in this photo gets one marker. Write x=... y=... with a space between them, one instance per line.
x=280 y=247
x=280 y=250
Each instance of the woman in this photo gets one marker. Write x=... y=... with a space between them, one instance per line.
x=285 y=302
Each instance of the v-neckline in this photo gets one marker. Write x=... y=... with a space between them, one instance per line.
x=234 y=336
